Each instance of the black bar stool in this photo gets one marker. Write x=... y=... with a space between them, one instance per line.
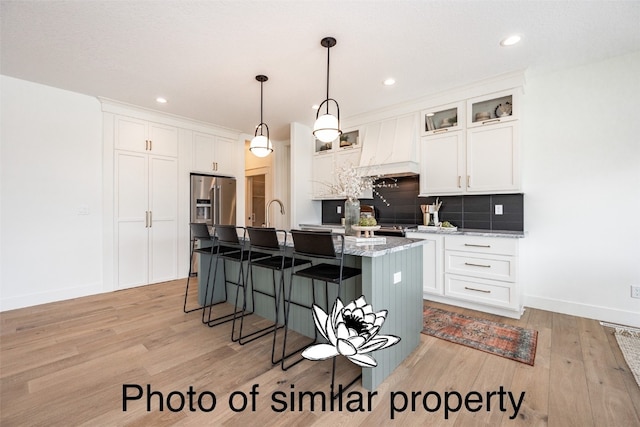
x=227 y=236
x=320 y=245
x=266 y=239
x=199 y=235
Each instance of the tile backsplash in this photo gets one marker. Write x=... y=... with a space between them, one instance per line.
x=462 y=211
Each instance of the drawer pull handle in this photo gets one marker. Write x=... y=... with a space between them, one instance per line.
x=477 y=265
x=490 y=121
x=441 y=130
x=477 y=290
x=477 y=246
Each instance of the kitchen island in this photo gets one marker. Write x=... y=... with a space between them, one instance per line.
x=391 y=280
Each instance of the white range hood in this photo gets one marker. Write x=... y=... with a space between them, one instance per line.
x=390 y=147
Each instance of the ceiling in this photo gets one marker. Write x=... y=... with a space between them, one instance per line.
x=203 y=56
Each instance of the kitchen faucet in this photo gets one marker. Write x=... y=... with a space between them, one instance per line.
x=266 y=210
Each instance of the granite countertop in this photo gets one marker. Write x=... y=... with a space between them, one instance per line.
x=373 y=249
x=392 y=244
x=474 y=232
x=459 y=231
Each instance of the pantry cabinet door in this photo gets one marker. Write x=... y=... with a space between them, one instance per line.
x=163 y=221
x=131 y=134
x=163 y=140
x=131 y=216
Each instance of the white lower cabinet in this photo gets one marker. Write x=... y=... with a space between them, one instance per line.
x=475 y=272
x=432 y=262
x=146 y=219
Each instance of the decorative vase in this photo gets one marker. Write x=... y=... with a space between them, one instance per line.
x=351 y=215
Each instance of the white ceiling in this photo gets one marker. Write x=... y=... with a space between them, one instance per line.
x=203 y=56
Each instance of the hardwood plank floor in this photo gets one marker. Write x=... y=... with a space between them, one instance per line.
x=66 y=364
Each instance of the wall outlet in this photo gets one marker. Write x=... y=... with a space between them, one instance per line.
x=397 y=277
x=498 y=209
x=339 y=209
x=635 y=291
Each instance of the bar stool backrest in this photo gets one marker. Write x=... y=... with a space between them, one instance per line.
x=264 y=238
x=227 y=234
x=199 y=230
x=314 y=243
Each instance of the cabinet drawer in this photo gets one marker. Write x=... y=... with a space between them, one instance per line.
x=480 y=244
x=496 y=267
x=489 y=292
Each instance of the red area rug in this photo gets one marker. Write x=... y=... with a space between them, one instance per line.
x=508 y=341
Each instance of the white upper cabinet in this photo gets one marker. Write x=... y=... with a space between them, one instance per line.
x=323 y=176
x=492 y=158
x=329 y=158
x=442 y=162
x=480 y=155
x=141 y=136
x=442 y=119
x=491 y=109
x=214 y=154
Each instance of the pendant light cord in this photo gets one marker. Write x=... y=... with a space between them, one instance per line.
x=328 y=49
x=261 y=121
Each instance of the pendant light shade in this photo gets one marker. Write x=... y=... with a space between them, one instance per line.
x=260 y=145
x=327 y=126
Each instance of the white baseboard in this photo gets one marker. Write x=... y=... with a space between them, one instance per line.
x=607 y=314
x=54 y=295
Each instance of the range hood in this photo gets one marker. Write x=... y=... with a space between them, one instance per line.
x=390 y=147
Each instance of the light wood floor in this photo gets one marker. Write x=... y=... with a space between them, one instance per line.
x=65 y=364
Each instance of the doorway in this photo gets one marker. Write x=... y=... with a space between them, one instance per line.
x=256 y=199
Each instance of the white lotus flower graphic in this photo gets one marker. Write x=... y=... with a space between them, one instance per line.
x=351 y=331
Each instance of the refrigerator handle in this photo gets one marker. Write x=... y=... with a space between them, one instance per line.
x=219 y=204
x=215 y=204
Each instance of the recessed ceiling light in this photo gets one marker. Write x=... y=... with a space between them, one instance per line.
x=161 y=100
x=389 y=82
x=511 y=40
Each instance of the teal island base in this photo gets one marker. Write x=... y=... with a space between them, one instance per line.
x=391 y=280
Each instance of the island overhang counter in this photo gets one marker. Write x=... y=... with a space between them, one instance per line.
x=391 y=280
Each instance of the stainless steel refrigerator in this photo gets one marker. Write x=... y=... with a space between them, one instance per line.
x=213 y=199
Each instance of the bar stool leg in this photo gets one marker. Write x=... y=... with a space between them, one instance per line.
x=266 y=330
x=286 y=327
x=220 y=319
x=241 y=282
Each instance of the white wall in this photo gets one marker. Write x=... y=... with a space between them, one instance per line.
x=51 y=168
x=303 y=209
x=581 y=179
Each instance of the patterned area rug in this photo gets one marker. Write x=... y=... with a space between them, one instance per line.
x=503 y=340
x=629 y=342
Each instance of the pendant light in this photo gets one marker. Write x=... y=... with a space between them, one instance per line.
x=327 y=126
x=260 y=144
